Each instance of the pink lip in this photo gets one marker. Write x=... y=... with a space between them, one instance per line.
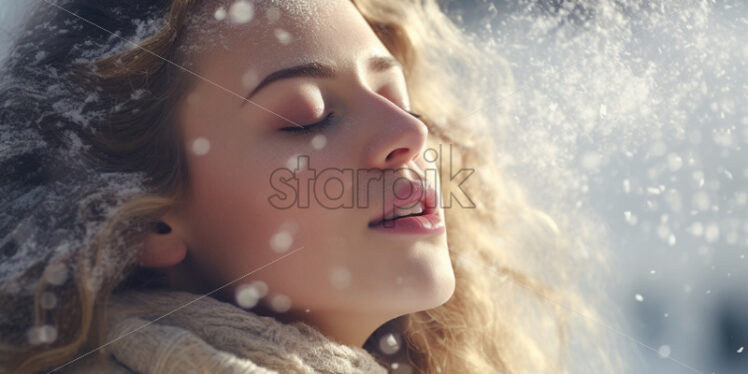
x=429 y=222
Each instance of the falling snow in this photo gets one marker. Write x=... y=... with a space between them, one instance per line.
x=281 y=241
x=241 y=11
x=42 y=334
x=283 y=36
x=220 y=14
x=389 y=344
x=664 y=351
x=340 y=277
x=634 y=112
x=247 y=296
x=319 y=141
x=272 y=14
x=280 y=303
x=56 y=274
x=200 y=146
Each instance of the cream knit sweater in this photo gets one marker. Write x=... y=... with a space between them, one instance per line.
x=209 y=336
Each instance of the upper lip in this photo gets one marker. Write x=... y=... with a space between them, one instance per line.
x=421 y=192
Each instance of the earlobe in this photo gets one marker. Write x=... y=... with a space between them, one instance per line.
x=162 y=248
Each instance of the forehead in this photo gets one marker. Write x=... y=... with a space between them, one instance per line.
x=266 y=35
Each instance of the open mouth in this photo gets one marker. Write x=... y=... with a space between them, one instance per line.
x=422 y=202
x=399 y=213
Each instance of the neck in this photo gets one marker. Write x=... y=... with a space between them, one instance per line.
x=349 y=328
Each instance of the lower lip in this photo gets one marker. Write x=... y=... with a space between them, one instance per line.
x=429 y=223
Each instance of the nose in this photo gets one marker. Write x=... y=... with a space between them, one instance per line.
x=396 y=139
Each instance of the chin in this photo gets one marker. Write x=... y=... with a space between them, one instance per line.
x=430 y=292
x=444 y=289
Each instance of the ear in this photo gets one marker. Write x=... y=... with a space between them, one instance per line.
x=163 y=246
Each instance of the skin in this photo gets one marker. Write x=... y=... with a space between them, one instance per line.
x=343 y=278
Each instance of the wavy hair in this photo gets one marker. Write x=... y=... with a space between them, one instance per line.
x=516 y=283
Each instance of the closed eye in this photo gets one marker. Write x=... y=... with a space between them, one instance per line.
x=313 y=127
x=322 y=124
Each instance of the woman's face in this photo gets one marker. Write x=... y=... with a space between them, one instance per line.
x=306 y=233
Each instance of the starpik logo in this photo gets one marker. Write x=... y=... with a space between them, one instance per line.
x=348 y=188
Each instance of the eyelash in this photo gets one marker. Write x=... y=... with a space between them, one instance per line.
x=320 y=125
x=314 y=127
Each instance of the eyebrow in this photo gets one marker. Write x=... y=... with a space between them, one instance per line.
x=320 y=70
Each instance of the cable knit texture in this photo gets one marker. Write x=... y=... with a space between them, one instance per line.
x=178 y=332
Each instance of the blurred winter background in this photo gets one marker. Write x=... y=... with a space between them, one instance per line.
x=637 y=112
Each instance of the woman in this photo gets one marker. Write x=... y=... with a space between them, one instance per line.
x=253 y=188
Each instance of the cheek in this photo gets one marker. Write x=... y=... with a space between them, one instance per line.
x=234 y=229
x=230 y=222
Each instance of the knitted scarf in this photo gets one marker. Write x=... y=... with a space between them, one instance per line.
x=178 y=332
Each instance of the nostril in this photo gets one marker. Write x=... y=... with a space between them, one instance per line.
x=396 y=153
